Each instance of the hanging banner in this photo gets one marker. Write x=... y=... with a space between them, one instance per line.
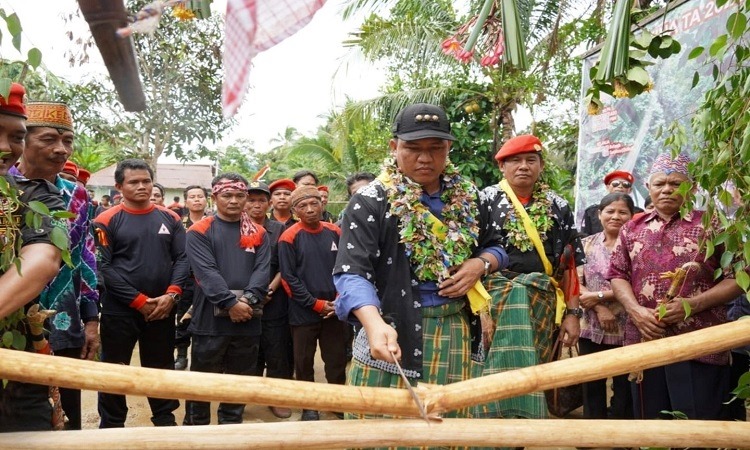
x=623 y=135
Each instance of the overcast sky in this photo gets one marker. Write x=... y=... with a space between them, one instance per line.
x=292 y=84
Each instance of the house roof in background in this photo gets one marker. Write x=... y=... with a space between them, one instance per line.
x=171 y=176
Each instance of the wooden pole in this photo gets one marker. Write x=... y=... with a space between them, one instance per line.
x=332 y=434
x=119 y=379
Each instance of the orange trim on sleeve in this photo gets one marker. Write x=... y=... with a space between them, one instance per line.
x=291 y=233
x=286 y=287
x=106 y=216
x=138 y=301
x=319 y=305
x=174 y=289
x=332 y=227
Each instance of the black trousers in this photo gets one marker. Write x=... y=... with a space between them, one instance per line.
x=595 y=392
x=71 y=398
x=182 y=335
x=235 y=355
x=25 y=407
x=155 y=340
x=696 y=389
x=275 y=352
x=331 y=334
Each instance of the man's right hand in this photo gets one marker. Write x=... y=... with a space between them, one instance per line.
x=383 y=340
x=240 y=312
x=147 y=309
x=646 y=322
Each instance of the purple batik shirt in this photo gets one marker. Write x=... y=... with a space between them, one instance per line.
x=650 y=246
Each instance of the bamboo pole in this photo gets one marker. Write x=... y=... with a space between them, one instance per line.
x=332 y=434
x=120 y=379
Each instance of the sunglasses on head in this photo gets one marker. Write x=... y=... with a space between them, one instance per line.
x=625 y=184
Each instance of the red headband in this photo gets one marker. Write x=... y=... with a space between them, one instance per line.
x=224 y=186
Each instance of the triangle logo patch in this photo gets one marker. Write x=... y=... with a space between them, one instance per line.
x=334 y=248
x=164 y=229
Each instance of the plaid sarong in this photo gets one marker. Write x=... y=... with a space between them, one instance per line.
x=446 y=356
x=524 y=313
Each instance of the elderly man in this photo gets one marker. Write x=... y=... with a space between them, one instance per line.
x=652 y=245
x=74 y=331
x=24 y=406
x=537 y=231
x=616 y=181
x=414 y=243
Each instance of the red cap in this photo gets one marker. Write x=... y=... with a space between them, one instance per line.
x=83 y=175
x=71 y=168
x=284 y=183
x=14 y=104
x=619 y=174
x=526 y=143
x=323 y=188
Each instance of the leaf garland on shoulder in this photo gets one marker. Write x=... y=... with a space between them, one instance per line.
x=540 y=213
x=430 y=255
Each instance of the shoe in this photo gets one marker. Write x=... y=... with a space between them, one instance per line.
x=340 y=415
x=281 y=413
x=310 y=414
x=180 y=363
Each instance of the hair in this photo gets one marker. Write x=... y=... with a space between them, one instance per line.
x=359 y=176
x=132 y=164
x=107 y=196
x=617 y=197
x=647 y=202
x=302 y=174
x=231 y=176
x=190 y=188
x=160 y=188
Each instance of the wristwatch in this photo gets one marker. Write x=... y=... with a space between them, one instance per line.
x=578 y=312
x=600 y=295
x=487 y=265
x=175 y=296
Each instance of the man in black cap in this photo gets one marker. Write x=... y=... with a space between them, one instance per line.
x=275 y=353
x=414 y=243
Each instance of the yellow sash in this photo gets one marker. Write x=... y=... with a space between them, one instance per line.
x=479 y=298
x=537 y=241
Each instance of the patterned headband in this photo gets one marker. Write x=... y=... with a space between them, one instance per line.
x=665 y=164
x=224 y=186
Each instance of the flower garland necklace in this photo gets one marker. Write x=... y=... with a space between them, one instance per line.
x=432 y=255
x=540 y=213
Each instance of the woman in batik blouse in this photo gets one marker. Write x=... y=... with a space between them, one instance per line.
x=603 y=323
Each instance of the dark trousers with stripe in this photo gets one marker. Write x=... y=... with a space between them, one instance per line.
x=155 y=340
x=331 y=335
x=695 y=389
x=275 y=353
x=70 y=399
x=236 y=355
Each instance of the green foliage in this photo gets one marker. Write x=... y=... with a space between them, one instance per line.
x=239 y=157
x=181 y=73
x=33 y=57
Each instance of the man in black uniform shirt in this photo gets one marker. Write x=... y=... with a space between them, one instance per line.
x=275 y=354
x=24 y=406
x=142 y=260
x=230 y=258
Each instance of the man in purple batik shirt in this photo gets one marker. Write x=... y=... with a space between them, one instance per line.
x=650 y=245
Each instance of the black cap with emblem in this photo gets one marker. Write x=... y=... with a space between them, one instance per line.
x=258 y=186
x=421 y=121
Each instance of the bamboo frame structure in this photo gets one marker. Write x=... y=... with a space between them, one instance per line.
x=332 y=434
x=119 y=379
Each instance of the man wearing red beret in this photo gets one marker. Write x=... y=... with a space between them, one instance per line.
x=281 y=208
x=327 y=216
x=537 y=232
x=24 y=406
x=615 y=181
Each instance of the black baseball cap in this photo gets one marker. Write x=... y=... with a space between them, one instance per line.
x=420 y=121
x=258 y=186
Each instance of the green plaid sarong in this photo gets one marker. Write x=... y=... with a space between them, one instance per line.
x=524 y=312
x=446 y=356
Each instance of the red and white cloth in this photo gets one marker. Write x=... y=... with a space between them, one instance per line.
x=253 y=26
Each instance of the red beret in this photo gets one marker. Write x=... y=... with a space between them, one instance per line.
x=284 y=183
x=71 y=168
x=323 y=188
x=619 y=174
x=83 y=175
x=14 y=104
x=526 y=143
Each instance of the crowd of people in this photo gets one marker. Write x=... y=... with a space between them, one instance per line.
x=421 y=275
